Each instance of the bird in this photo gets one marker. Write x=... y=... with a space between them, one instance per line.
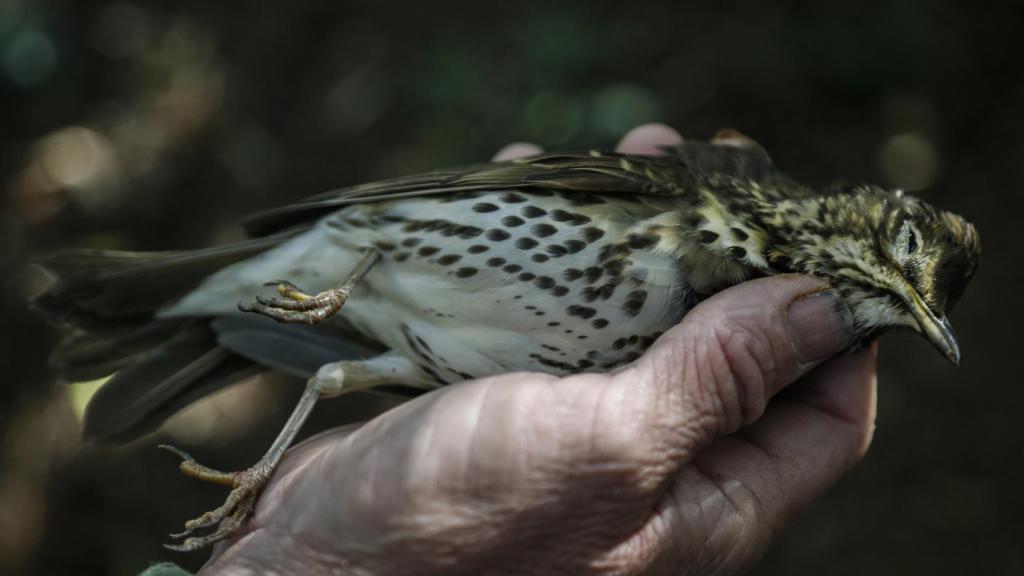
x=557 y=262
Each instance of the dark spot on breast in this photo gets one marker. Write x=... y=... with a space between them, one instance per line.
x=592 y=234
x=593 y=273
x=495 y=262
x=539 y=258
x=400 y=256
x=468 y=232
x=642 y=241
x=543 y=230
x=448 y=259
x=582 y=311
x=571 y=218
x=445 y=228
x=707 y=236
x=512 y=268
x=484 y=207
x=559 y=291
x=533 y=211
x=615 y=267
x=512 y=221
x=588 y=294
x=428 y=251
x=599 y=323
x=527 y=276
x=574 y=246
x=606 y=290
x=737 y=252
x=571 y=274
x=466 y=272
x=612 y=250
x=477 y=248
x=634 y=302
x=526 y=243
x=384 y=246
x=544 y=282
x=557 y=250
x=410 y=242
x=583 y=364
x=739 y=234
x=619 y=344
x=553 y=324
x=497 y=235
x=512 y=198
x=553 y=363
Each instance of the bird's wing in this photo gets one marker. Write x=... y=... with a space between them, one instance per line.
x=678 y=173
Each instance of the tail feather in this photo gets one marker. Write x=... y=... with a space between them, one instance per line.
x=160 y=382
x=101 y=290
x=83 y=356
x=109 y=301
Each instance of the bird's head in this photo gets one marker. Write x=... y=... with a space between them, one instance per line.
x=896 y=260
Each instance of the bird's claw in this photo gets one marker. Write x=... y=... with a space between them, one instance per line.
x=232 y=514
x=296 y=306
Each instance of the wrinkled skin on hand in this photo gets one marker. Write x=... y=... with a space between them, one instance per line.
x=676 y=463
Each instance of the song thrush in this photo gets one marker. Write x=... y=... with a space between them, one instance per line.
x=558 y=263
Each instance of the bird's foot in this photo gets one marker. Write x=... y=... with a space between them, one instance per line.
x=296 y=306
x=232 y=514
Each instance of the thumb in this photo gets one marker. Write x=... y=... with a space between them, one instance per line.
x=717 y=369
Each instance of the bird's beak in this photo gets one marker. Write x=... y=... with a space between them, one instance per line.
x=935 y=328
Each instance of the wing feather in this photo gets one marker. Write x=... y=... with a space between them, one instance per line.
x=685 y=168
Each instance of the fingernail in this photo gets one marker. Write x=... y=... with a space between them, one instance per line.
x=820 y=325
x=517 y=150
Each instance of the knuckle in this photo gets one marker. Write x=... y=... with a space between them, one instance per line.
x=742 y=369
x=615 y=440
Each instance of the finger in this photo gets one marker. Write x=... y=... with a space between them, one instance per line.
x=805 y=441
x=717 y=369
x=740 y=490
x=517 y=150
x=648 y=139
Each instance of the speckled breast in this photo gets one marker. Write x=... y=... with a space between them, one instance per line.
x=481 y=283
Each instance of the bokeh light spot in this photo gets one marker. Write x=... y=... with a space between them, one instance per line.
x=553 y=118
x=909 y=161
x=30 y=57
x=619 y=107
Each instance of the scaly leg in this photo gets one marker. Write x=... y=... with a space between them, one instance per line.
x=331 y=380
x=296 y=306
x=246 y=484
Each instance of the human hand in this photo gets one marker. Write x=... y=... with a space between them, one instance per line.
x=676 y=463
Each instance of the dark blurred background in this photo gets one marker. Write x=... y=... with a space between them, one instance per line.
x=156 y=125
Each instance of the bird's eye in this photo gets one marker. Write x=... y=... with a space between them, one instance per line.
x=907 y=241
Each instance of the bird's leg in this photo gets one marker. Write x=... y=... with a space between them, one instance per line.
x=296 y=306
x=331 y=380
